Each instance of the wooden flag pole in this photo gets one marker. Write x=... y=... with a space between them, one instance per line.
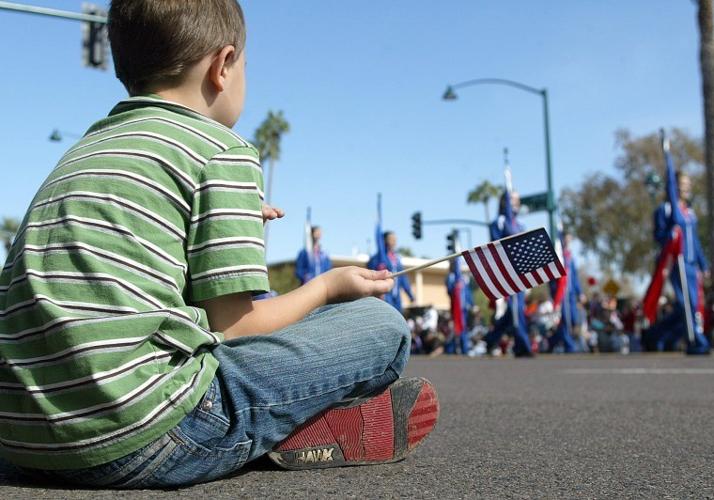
x=425 y=265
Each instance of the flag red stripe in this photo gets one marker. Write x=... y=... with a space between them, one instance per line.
x=489 y=271
x=524 y=285
x=559 y=265
x=554 y=269
x=543 y=275
x=477 y=275
x=535 y=277
x=549 y=273
x=531 y=280
x=502 y=268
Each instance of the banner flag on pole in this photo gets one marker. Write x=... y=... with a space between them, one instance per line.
x=457 y=310
x=514 y=264
x=650 y=302
x=562 y=284
x=671 y=249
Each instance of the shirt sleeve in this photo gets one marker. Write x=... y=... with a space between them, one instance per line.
x=226 y=250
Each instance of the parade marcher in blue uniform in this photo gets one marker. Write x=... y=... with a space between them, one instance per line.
x=673 y=214
x=507 y=225
x=460 y=292
x=387 y=258
x=312 y=262
x=567 y=294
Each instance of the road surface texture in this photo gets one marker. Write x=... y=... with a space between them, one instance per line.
x=551 y=427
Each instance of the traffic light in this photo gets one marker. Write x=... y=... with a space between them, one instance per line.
x=95 y=41
x=451 y=241
x=416 y=225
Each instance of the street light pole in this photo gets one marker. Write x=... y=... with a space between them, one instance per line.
x=549 y=169
x=450 y=95
x=45 y=11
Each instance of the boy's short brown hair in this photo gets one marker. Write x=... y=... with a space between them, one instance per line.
x=155 y=41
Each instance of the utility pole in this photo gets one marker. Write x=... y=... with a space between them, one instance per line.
x=706 y=62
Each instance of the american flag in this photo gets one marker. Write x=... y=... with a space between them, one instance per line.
x=510 y=265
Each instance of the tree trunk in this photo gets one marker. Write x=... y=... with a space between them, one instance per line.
x=706 y=60
x=485 y=209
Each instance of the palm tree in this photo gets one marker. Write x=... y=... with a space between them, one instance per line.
x=706 y=62
x=483 y=194
x=267 y=140
x=8 y=228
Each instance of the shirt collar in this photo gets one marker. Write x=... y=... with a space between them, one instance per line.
x=155 y=100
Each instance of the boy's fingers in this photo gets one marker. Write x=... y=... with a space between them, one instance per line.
x=270 y=212
x=383 y=286
x=375 y=275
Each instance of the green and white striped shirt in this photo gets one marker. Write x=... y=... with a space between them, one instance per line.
x=101 y=351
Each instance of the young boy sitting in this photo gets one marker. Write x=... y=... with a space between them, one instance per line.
x=131 y=353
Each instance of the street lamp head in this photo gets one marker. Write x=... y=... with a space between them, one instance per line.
x=55 y=136
x=449 y=94
x=653 y=184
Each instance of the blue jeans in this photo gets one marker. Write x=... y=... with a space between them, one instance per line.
x=265 y=387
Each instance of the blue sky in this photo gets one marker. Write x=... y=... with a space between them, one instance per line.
x=361 y=85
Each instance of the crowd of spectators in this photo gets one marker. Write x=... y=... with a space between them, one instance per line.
x=609 y=324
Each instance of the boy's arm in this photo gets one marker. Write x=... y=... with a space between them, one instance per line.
x=237 y=315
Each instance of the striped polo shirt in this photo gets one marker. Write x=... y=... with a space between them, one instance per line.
x=101 y=348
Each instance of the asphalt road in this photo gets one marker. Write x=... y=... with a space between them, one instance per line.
x=550 y=427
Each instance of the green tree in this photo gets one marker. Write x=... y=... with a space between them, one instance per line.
x=8 y=229
x=612 y=215
x=483 y=194
x=405 y=252
x=282 y=278
x=267 y=139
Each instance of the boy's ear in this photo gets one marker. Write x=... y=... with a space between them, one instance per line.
x=220 y=65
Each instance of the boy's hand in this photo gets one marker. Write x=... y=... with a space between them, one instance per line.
x=271 y=213
x=350 y=283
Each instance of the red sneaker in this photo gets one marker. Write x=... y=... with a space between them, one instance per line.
x=373 y=430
